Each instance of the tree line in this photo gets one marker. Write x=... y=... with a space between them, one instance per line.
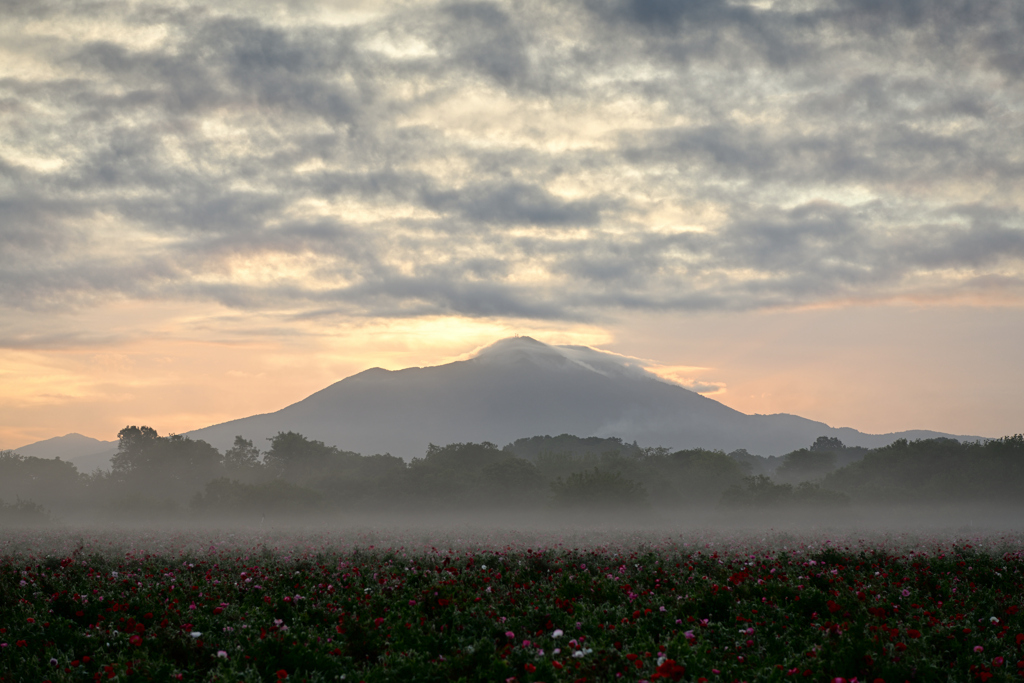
x=153 y=475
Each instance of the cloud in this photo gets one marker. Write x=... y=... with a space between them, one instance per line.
x=513 y=204
x=554 y=162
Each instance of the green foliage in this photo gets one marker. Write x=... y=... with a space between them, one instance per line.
x=745 y=613
x=828 y=444
x=242 y=461
x=598 y=489
x=690 y=477
x=227 y=495
x=172 y=467
x=298 y=459
x=534 y=447
x=473 y=474
x=760 y=491
x=806 y=465
x=755 y=464
x=53 y=483
x=939 y=470
x=154 y=475
x=23 y=512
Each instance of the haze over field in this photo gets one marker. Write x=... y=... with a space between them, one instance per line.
x=809 y=207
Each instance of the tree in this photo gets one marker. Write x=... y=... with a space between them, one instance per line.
x=296 y=458
x=827 y=443
x=134 y=447
x=806 y=465
x=54 y=482
x=242 y=460
x=598 y=489
x=757 y=491
x=513 y=481
x=172 y=466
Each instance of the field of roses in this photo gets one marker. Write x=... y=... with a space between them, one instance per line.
x=372 y=606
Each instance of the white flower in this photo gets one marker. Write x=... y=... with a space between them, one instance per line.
x=558 y=633
x=578 y=654
x=222 y=654
x=195 y=634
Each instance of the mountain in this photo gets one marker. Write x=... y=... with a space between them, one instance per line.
x=520 y=387
x=85 y=452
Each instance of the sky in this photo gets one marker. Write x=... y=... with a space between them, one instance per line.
x=212 y=210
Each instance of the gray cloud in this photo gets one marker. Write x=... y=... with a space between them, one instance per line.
x=510 y=159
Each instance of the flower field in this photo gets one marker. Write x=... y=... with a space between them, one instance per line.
x=82 y=606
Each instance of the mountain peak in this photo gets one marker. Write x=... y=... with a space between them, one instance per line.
x=513 y=349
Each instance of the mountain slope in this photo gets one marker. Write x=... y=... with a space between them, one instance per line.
x=521 y=387
x=85 y=452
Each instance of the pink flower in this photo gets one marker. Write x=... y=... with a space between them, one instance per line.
x=979 y=648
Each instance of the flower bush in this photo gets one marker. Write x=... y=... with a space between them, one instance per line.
x=679 y=610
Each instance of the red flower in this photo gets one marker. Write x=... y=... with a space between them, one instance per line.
x=913 y=633
x=135 y=640
x=530 y=668
x=670 y=670
x=281 y=674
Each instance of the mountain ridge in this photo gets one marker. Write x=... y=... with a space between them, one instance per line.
x=519 y=387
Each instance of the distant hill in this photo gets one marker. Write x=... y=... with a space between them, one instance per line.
x=85 y=452
x=519 y=387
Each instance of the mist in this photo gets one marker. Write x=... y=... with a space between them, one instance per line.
x=543 y=484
